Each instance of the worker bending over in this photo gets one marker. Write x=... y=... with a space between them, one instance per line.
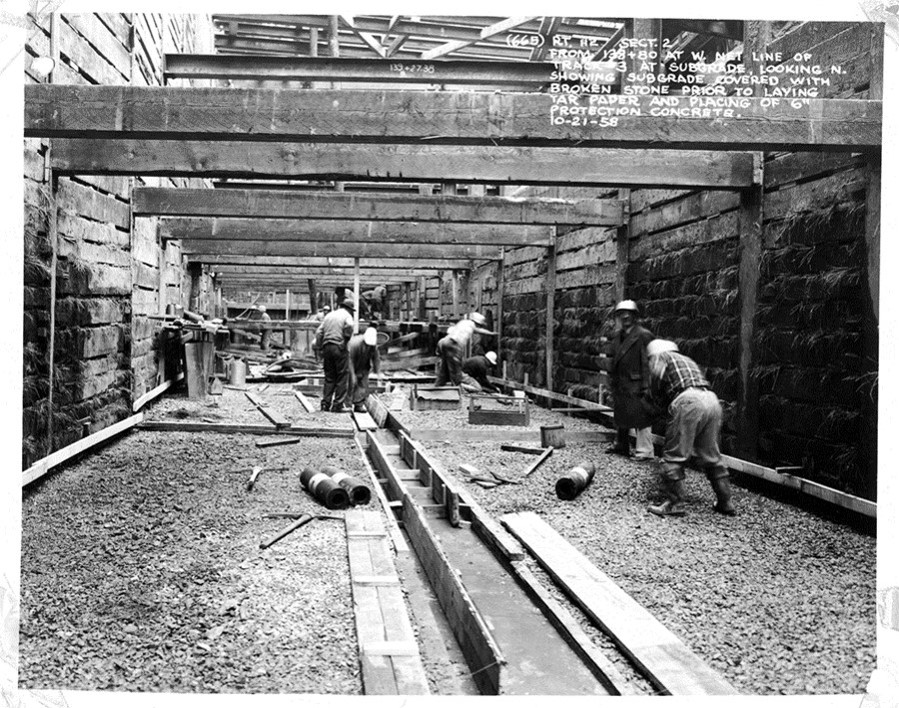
x=477 y=368
x=628 y=367
x=692 y=427
x=363 y=360
x=374 y=301
x=331 y=338
x=451 y=348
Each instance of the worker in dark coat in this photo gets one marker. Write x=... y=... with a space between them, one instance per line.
x=628 y=367
x=363 y=360
x=331 y=338
x=477 y=368
x=692 y=427
x=374 y=301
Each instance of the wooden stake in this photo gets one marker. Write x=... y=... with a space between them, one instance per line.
x=302 y=521
x=539 y=461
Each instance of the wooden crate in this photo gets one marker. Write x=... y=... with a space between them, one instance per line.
x=498 y=410
x=435 y=398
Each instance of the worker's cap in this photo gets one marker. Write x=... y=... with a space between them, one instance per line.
x=657 y=346
x=478 y=319
x=626 y=306
x=370 y=337
x=348 y=304
x=326 y=308
x=261 y=308
x=491 y=357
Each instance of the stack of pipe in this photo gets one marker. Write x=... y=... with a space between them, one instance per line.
x=324 y=489
x=358 y=492
x=575 y=481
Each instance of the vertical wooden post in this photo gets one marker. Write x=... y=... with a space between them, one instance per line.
x=422 y=299
x=313 y=296
x=407 y=302
x=622 y=249
x=500 y=280
x=455 y=291
x=53 y=228
x=356 y=294
x=287 y=304
x=550 y=310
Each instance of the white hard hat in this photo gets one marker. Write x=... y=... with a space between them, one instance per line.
x=627 y=306
x=491 y=357
x=657 y=346
x=478 y=319
x=262 y=308
x=370 y=337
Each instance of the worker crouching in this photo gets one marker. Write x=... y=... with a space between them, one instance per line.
x=363 y=360
x=475 y=370
x=451 y=348
x=692 y=427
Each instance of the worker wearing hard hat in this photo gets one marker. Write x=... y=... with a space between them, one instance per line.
x=265 y=337
x=692 y=427
x=331 y=338
x=475 y=370
x=364 y=360
x=628 y=367
x=451 y=348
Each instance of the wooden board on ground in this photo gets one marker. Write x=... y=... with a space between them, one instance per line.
x=305 y=402
x=279 y=420
x=388 y=650
x=665 y=659
x=194 y=427
x=364 y=421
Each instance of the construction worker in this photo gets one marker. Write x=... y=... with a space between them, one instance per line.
x=321 y=314
x=475 y=370
x=692 y=427
x=363 y=360
x=331 y=339
x=265 y=334
x=628 y=368
x=374 y=301
x=451 y=348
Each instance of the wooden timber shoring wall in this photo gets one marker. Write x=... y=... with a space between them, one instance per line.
x=110 y=269
x=809 y=332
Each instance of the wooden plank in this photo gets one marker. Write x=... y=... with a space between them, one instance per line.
x=195 y=427
x=574 y=635
x=257 y=230
x=664 y=658
x=285 y=204
x=318 y=261
x=103 y=39
x=263 y=407
x=197 y=248
x=364 y=421
x=79 y=200
x=43 y=466
x=155 y=392
x=597 y=167
x=305 y=402
x=461 y=118
x=393 y=529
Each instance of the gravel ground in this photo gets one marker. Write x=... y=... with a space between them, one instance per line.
x=778 y=600
x=234 y=407
x=151 y=578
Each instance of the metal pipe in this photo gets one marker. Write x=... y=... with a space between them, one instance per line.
x=358 y=492
x=575 y=481
x=324 y=489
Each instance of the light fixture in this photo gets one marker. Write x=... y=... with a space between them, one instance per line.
x=42 y=66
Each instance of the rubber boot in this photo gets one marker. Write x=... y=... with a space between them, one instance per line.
x=721 y=486
x=674 y=505
x=622 y=444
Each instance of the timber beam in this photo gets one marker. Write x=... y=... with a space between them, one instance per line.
x=196 y=249
x=323 y=272
x=454 y=118
x=340 y=232
x=343 y=69
x=562 y=166
x=283 y=204
x=224 y=263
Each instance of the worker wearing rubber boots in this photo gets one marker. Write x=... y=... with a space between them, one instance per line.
x=363 y=360
x=451 y=349
x=331 y=338
x=692 y=427
x=628 y=367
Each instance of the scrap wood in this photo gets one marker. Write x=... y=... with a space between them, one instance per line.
x=251 y=482
x=522 y=448
x=490 y=478
x=305 y=402
x=278 y=441
x=279 y=420
x=539 y=461
x=302 y=521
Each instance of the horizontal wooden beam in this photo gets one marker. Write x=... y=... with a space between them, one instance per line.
x=312 y=272
x=199 y=248
x=339 y=232
x=456 y=118
x=283 y=204
x=287 y=68
x=579 y=166
x=219 y=262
